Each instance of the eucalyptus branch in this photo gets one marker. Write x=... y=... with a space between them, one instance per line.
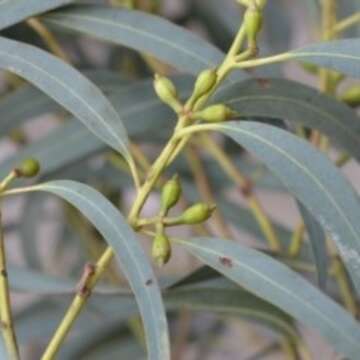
x=6 y=318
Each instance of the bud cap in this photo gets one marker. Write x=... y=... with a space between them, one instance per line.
x=29 y=168
x=352 y=96
x=197 y=214
x=166 y=91
x=216 y=113
x=171 y=193
x=161 y=249
x=204 y=83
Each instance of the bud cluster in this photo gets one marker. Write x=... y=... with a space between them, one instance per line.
x=195 y=214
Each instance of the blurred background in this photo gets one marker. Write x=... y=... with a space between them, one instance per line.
x=48 y=242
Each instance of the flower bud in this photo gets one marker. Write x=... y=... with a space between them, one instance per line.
x=215 y=113
x=170 y=193
x=204 y=83
x=253 y=20
x=29 y=168
x=352 y=96
x=161 y=249
x=259 y=4
x=310 y=68
x=166 y=91
x=197 y=214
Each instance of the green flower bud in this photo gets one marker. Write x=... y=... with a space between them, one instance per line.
x=253 y=20
x=310 y=68
x=244 y=2
x=167 y=93
x=170 y=193
x=259 y=4
x=161 y=249
x=29 y=168
x=197 y=214
x=216 y=113
x=204 y=83
x=352 y=96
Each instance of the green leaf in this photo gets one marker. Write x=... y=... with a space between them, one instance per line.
x=67 y=87
x=136 y=104
x=133 y=262
x=142 y=32
x=296 y=103
x=318 y=243
x=222 y=297
x=274 y=282
x=312 y=178
x=15 y=11
x=339 y=55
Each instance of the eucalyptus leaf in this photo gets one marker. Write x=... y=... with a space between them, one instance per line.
x=296 y=103
x=69 y=88
x=134 y=264
x=274 y=282
x=142 y=32
x=15 y=11
x=339 y=55
x=318 y=244
x=72 y=141
x=312 y=178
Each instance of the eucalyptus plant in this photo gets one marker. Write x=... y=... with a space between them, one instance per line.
x=141 y=128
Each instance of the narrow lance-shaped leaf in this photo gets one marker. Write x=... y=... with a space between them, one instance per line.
x=133 y=262
x=14 y=11
x=318 y=244
x=72 y=141
x=312 y=178
x=296 y=103
x=274 y=282
x=339 y=55
x=67 y=87
x=142 y=32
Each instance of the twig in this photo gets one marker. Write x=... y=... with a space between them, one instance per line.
x=7 y=325
x=205 y=190
x=48 y=38
x=246 y=188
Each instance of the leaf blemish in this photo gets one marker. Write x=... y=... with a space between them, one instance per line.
x=225 y=261
x=264 y=83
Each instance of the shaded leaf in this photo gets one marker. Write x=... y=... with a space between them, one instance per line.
x=291 y=101
x=339 y=55
x=312 y=178
x=274 y=282
x=318 y=244
x=142 y=32
x=67 y=87
x=14 y=11
x=134 y=264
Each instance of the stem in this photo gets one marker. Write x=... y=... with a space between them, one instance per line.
x=297 y=240
x=246 y=188
x=4 y=184
x=265 y=61
x=346 y=23
x=48 y=38
x=6 y=319
x=205 y=190
x=337 y=269
x=80 y=299
x=143 y=193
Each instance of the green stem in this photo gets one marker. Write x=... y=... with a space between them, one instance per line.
x=7 y=324
x=346 y=23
